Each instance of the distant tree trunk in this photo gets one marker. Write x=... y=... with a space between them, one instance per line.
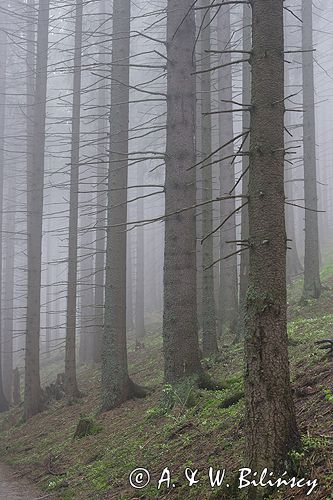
x=209 y=340
x=116 y=384
x=246 y=99
x=312 y=285
x=130 y=281
x=101 y=208
x=8 y=298
x=16 y=387
x=228 y=267
x=140 y=274
x=32 y=398
x=3 y=62
x=271 y=430
x=294 y=267
x=71 y=387
x=48 y=305
x=180 y=329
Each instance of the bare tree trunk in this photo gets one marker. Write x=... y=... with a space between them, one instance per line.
x=270 y=416
x=8 y=297
x=71 y=387
x=35 y=184
x=180 y=329
x=140 y=274
x=101 y=210
x=246 y=99
x=116 y=384
x=129 y=283
x=209 y=340
x=294 y=267
x=312 y=285
x=3 y=63
x=228 y=267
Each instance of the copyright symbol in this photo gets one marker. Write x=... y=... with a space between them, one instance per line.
x=139 y=478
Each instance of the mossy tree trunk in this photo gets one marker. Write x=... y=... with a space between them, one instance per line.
x=271 y=430
x=180 y=329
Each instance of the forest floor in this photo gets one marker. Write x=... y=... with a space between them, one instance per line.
x=203 y=429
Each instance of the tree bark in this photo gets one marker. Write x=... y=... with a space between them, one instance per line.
x=228 y=267
x=271 y=430
x=180 y=329
x=101 y=208
x=312 y=285
x=35 y=183
x=116 y=384
x=209 y=338
x=71 y=387
x=246 y=99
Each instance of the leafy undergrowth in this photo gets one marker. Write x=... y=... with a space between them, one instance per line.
x=178 y=427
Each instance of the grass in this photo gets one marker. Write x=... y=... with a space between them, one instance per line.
x=176 y=427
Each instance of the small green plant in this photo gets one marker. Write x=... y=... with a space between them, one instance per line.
x=328 y=395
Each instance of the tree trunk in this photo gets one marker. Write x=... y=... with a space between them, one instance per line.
x=8 y=298
x=71 y=387
x=116 y=384
x=180 y=329
x=35 y=183
x=4 y=406
x=140 y=274
x=209 y=340
x=246 y=99
x=101 y=208
x=228 y=267
x=312 y=285
x=270 y=417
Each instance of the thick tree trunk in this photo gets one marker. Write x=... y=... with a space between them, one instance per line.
x=228 y=267
x=209 y=340
x=116 y=385
x=71 y=387
x=271 y=430
x=246 y=99
x=3 y=61
x=180 y=329
x=35 y=183
x=312 y=285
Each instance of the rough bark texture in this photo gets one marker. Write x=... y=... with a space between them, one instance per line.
x=271 y=430
x=312 y=285
x=228 y=296
x=71 y=387
x=246 y=99
x=35 y=183
x=180 y=330
x=116 y=386
x=209 y=340
x=3 y=57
